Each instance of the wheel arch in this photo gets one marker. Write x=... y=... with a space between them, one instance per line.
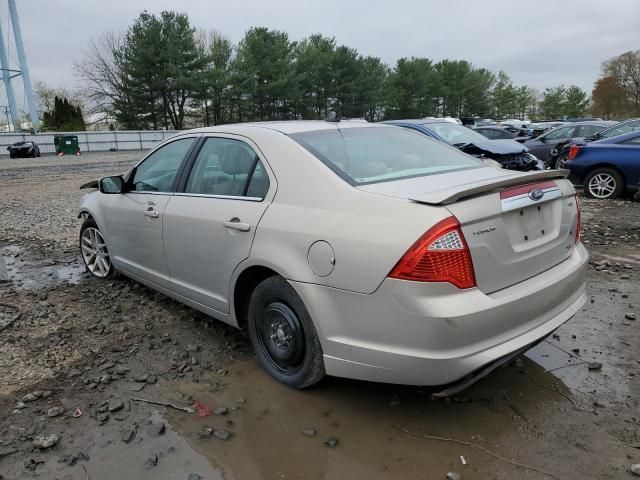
x=599 y=165
x=91 y=205
x=245 y=283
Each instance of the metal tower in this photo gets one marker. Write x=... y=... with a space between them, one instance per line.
x=8 y=73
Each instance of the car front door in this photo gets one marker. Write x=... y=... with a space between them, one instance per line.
x=209 y=224
x=541 y=147
x=134 y=218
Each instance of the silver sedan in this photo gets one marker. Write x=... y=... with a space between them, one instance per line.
x=346 y=248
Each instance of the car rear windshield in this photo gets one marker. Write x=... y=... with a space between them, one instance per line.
x=372 y=155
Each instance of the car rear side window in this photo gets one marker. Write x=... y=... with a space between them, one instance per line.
x=227 y=167
x=158 y=171
x=621 y=129
x=376 y=154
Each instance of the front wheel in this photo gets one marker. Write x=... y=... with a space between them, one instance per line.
x=561 y=161
x=603 y=183
x=283 y=335
x=94 y=250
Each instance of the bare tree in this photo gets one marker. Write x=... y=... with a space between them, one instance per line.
x=47 y=94
x=105 y=83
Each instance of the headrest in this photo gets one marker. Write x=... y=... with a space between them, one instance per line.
x=236 y=159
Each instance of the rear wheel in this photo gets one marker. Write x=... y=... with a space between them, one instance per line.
x=283 y=334
x=94 y=250
x=603 y=183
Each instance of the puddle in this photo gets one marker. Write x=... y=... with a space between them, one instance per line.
x=28 y=272
x=366 y=418
x=109 y=458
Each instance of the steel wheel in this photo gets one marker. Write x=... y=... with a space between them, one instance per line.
x=281 y=337
x=94 y=252
x=602 y=185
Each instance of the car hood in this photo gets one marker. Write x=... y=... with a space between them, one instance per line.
x=496 y=147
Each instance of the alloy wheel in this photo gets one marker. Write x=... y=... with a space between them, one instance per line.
x=602 y=185
x=561 y=162
x=94 y=252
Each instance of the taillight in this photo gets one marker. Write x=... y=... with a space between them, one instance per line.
x=574 y=150
x=440 y=255
x=578 y=219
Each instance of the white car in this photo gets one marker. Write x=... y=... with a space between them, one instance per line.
x=360 y=250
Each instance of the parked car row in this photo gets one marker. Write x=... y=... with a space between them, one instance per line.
x=602 y=156
x=508 y=153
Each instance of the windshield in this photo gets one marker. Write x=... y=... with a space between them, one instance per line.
x=371 y=155
x=455 y=134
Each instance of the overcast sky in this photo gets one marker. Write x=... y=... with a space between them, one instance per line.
x=540 y=43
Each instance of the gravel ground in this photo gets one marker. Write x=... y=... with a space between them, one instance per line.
x=81 y=358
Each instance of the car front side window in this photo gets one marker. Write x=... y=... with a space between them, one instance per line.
x=158 y=171
x=227 y=167
x=560 y=133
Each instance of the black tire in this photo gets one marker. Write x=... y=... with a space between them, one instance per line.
x=294 y=356
x=12 y=155
x=611 y=175
x=560 y=161
x=111 y=271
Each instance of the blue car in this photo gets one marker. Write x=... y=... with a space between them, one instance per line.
x=510 y=154
x=607 y=168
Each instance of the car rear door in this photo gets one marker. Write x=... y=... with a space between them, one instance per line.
x=134 y=219
x=210 y=223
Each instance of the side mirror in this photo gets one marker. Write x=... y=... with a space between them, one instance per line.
x=111 y=185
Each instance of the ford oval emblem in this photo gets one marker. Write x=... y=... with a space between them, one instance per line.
x=536 y=194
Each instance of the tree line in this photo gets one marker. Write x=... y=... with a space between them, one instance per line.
x=163 y=73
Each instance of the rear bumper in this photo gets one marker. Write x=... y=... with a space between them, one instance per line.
x=433 y=334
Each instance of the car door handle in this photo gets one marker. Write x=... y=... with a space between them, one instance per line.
x=236 y=224
x=151 y=213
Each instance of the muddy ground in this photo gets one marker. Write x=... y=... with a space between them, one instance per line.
x=78 y=355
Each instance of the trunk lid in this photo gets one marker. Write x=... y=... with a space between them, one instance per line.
x=516 y=225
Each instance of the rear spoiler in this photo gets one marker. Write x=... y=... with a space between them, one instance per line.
x=453 y=194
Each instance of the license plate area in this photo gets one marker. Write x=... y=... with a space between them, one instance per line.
x=534 y=225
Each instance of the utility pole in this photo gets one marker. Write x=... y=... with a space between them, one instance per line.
x=22 y=58
x=6 y=77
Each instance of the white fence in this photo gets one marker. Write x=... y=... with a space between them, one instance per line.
x=92 y=141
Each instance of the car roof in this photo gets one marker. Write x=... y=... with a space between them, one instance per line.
x=605 y=123
x=420 y=121
x=289 y=126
